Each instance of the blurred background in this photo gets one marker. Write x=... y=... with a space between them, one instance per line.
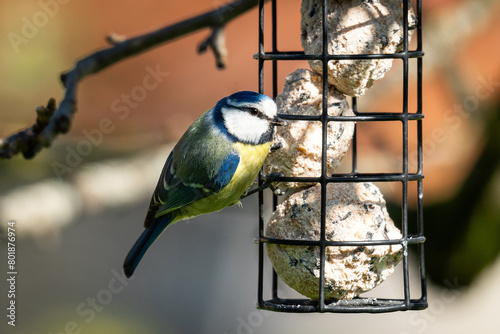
x=79 y=205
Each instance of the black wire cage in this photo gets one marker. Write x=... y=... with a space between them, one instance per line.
x=404 y=177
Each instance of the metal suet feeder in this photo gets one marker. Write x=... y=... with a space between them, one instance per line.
x=411 y=237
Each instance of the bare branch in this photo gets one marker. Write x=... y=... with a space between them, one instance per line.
x=31 y=140
x=217 y=42
x=25 y=141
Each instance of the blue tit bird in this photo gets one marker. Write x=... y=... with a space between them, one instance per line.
x=211 y=167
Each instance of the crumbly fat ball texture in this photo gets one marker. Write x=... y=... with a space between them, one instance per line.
x=355 y=211
x=355 y=27
x=299 y=142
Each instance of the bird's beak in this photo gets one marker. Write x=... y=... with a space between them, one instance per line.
x=278 y=121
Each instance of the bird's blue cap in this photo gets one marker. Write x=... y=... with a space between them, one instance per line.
x=247 y=96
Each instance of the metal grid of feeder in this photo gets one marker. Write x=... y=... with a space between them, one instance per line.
x=269 y=291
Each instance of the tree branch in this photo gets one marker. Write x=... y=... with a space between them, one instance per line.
x=52 y=122
x=217 y=42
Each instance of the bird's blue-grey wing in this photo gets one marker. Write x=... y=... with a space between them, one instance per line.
x=159 y=192
x=173 y=192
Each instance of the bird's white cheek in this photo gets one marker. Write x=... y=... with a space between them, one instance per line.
x=245 y=127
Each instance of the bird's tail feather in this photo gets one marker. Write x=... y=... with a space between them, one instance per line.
x=142 y=244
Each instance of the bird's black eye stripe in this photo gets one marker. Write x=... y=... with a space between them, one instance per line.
x=253 y=111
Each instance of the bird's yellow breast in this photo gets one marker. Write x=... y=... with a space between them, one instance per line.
x=251 y=160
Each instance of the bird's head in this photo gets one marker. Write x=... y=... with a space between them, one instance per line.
x=248 y=117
